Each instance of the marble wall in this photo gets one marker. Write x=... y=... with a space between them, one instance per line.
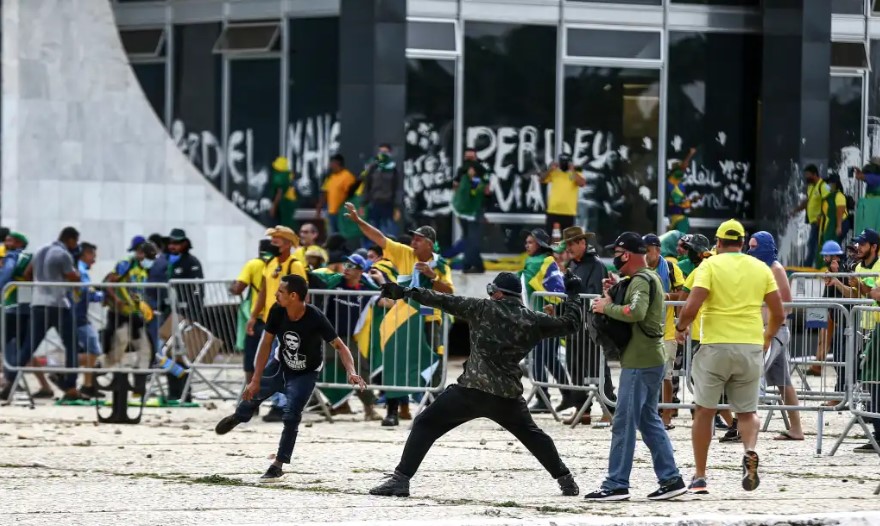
x=82 y=146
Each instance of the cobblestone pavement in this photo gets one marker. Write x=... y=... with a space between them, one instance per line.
x=58 y=466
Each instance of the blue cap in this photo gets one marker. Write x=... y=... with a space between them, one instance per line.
x=831 y=248
x=356 y=259
x=136 y=241
x=868 y=236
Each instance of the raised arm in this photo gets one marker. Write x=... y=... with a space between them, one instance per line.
x=465 y=308
x=568 y=323
x=369 y=231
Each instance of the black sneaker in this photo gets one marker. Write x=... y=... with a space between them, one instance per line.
x=88 y=390
x=732 y=435
x=273 y=474
x=396 y=485
x=608 y=494
x=390 y=421
x=563 y=405
x=750 y=481
x=538 y=406
x=698 y=486
x=864 y=448
x=568 y=486
x=276 y=414
x=719 y=423
x=227 y=424
x=669 y=490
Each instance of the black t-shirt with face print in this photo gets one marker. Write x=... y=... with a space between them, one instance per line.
x=300 y=342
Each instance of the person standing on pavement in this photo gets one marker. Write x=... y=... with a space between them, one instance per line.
x=817 y=191
x=86 y=334
x=583 y=358
x=251 y=279
x=190 y=298
x=383 y=191
x=731 y=288
x=776 y=371
x=156 y=297
x=642 y=365
x=565 y=179
x=502 y=332
x=300 y=330
x=470 y=188
x=336 y=188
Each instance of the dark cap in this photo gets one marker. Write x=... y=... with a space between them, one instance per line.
x=508 y=283
x=631 y=242
x=696 y=242
x=540 y=236
x=358 y=261
x=177 y=234
x=135 y=242
x=651 y=240
x=868 y=236
x=427 y=232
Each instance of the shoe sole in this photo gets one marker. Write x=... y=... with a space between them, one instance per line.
x=222 y=430
x=395 y=494
x=610 y=498
x=670 y=495
x=271 y=480
x=698 y=491
x=751 y=480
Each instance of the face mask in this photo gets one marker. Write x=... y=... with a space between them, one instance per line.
x=765 y=249
x=619 y=262
x=382 y=157
x=564 y=165
x=147 y=264
x=694 y=257
x=173 y=258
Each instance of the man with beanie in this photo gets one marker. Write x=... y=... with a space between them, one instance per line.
x=502 y=332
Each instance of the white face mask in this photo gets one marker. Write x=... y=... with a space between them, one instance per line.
x=147 y=264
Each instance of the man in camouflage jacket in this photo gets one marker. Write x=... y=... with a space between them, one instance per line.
x=502 y=332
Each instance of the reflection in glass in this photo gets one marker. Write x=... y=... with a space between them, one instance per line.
x=152 y=80
x=509 y=114
x=254 y=124
x=714 y=85
x=611 y=129
x=427 y=166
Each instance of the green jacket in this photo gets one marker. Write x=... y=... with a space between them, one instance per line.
x=467 y=203
x=643 y=351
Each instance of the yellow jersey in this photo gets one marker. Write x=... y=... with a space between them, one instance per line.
x=272 y=275
x=252 y=275
x=404 y=258
x=562 y=195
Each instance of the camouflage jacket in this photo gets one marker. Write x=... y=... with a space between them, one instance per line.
x=502 y=333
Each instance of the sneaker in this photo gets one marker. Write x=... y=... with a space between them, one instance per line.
x=865 y=448
x=698 y=486
x=75 y=396
x=88 y=390
x=276 y=414
x=732 y=435
x=608 y=494
x=396 y=485
x=273 y=474
x=669 y=490
x=390 y=421
x=719 y=423
x=227 y=424
x=568 y=486
x=538 y=406
x=750 y=481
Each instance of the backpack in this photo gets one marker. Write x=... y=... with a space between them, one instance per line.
x=614 y=335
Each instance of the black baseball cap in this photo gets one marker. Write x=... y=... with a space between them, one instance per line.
x=651 y=240
x=540 y=236
x=506 y=282
x=631 y=242
x=426 y=232
x=868 y=236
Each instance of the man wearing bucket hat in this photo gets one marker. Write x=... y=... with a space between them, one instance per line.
x=502 y=332
x=283 y=193
x=731 y=288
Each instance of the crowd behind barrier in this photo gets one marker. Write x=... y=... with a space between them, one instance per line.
x=193 y=330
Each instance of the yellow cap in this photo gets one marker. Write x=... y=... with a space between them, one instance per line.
x=281 y=165
x=315 y=251
x=731 y=229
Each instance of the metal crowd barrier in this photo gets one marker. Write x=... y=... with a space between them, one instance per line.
x=90 y=329
x=396 y=346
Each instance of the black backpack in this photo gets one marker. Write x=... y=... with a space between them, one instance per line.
x=614 y=335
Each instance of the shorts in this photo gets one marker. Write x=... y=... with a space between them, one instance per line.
x=671 y=348
x=87 y=339
x=776 y=369
x=732 y=367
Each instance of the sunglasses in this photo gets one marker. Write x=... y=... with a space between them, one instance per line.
x=492 y=288
x=351 y=266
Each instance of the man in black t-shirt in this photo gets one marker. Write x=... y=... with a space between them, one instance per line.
x=301 y=330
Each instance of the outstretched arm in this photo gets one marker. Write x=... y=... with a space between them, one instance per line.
x=558 y=326
x=369 y=231
x=465 y=308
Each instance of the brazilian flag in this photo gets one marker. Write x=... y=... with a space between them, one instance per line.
x=407 y=358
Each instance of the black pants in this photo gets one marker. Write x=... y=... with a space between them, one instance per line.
x=457 y=405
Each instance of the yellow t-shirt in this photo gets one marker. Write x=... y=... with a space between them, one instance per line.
x=272 y=275
x=300 y=255
x=697 y=325
x=562 y=195
x=869 y=319
x=252 y=275
x=816 y=193
x=737 y=284
x=404 y=258
x=676 y=280
x=839 y=201
x=337 y=187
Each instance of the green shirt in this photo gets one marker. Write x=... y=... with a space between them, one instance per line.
x=467 y=202
x=643 y=351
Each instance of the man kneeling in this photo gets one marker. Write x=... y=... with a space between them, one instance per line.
x=502 y=332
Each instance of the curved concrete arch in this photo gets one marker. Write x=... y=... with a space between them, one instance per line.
x=83 y=147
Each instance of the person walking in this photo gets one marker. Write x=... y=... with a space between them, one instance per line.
x=502 y=332
x=470 y=188
x=642 y=371
x=731 y=288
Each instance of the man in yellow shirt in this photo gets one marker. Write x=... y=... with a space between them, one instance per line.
x=817 y=191
x=251 y=276
x=335 y=190
x=562 y=195
x=730 y=288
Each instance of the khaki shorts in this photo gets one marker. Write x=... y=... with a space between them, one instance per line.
x=671 y=348
x=732 y=367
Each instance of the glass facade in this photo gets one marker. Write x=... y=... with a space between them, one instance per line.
x=151 y=77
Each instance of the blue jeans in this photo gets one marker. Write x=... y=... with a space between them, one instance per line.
x=381 y=216
x=43 y=318
x=637 y=397
x=88 y=339
x=298 y=389
x=812 y=245
x=472 y=234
